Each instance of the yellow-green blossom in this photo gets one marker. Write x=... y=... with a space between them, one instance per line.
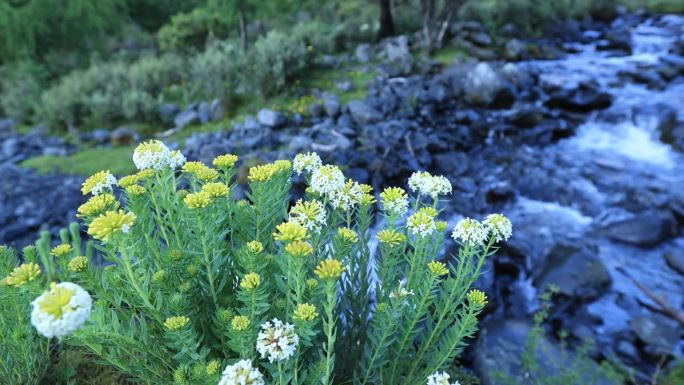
x=267 y=171
x=498 y=226
x=22 y=274
x=215 y=189
x=175 y=255
x=159 y=276
x=240 y=323
x=290 y=232
x=421 y=224
x=194 y=167
x=128 y=180
x=310 y=214
x=207 y=174
x=311 y=283
x=61 y=250
x=329 y=269
x=395 y=200
x=144 y=174
x=213 y=367
x=111 y=223
x=305 y=312
x=135 y=190
x=97 y=205
x=225 y=161
x=77 y=264
x=250 y=281
x=441 y=225
x=348 y=235
x=299 y=248
x=197 y=200
x=255 y=247
x=176 y=323
x=477 y=297
x=391 y=238
x=98 y=182
x=437 y=268
x=192 y=270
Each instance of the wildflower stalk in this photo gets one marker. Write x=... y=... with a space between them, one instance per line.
x=330 y=333
x=128 y=270
x=207 y=262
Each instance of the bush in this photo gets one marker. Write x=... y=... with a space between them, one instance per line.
x=218 y=72
x=191 y=29
x=321 y=37
x=111 y=91
x=20 y=87
x=529 y=15
x=196 y=280
x=276 y=59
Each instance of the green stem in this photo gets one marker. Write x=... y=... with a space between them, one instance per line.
x=329 y=331
x=207 y=263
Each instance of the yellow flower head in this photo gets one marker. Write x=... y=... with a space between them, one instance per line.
x=283 y=165
x=366 y=188
x=382 y=307
x=197 y=200
x=391 y=238
x=61 y=250
x=265 y=172
x=329 y=269
x=192 y=270
x=348 y=235
x=135 y=190
x=77 y=264
x=290 y=232
x=225 y=161
x=144 y=174
x=194 y=167
x=477 y=297
x=185 y=287
x=215 y=189
x=98 y=182
x=225 y=315
x=159 y=276
x=437 y=268
x=299 y=248
x=305 y=312
x=441 y=225
x=56 y=300
x=421 y=223
x=240 y=323
x=25 y=273
x=255 y=247
x=128 y=180
x=250 y=281
x=395 y=200
x=182 y=193
x=176 y=255
x=110 y=223
x=213 y=367
x=97 y=205
x=429 y=211
x=207 y=174
x=176 y=323
x=367 y=199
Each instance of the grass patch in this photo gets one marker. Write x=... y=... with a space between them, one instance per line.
x=448 y=55
x=86 y=162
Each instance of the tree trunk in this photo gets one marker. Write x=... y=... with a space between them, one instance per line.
x=243 y=31
x=386 y=20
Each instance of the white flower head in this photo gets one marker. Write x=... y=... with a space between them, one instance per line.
x=401 y=291
x=308 y=162
x=469 y=231
x=241 y=373
x=438 y=378
x=98 y=183
x=430 y=185
x=155 y=155
x=61 y=310
x=310 y=214
x=347 y=197
x=327 y=179
x=498 y=226
x=277 y=340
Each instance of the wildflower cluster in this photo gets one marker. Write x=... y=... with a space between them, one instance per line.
x=201 y=288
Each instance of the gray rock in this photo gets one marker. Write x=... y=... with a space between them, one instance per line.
x=124 y=135
x=399 y=54
x=167 y=112
x=363 y=53
x=7 y=124
x=515 y=49
x=584 y=98
x=204 y=112
x=185 y=118
x=271 y=118
x=499 y=351
x=316 y=110
x=100 y=135
x=452 y=163
x=332 y=106
x=671 y=129
x=482 y=84
x=675 y=259
x=657 y=332
x=216 y=111
x=362 y=113
x=647 y=228
x=577 y=273
x=480 y=38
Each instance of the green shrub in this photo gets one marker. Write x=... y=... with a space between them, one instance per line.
x=320 y=36
x=218 y=71
x=191 y=29
x=20 y=88
x=276 y=59
x=196 y=281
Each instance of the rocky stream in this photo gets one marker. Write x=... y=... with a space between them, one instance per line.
x=582 y=150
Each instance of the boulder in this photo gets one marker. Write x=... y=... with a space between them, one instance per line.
x=204 y=112
x=7 y=124
x=331 y=104
x=270 y=118
x=675 y=259
x=646 y=228
x=167 y=112
x=363 y=53
x=362 y=113
x=185 y=118
x=578 y=273
x=658 y=333
x=216 y=111
x=482 y=84
x=515 y=49
x=399 y=54
x=672 y=130
x=124 y=135
x=583 y=98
